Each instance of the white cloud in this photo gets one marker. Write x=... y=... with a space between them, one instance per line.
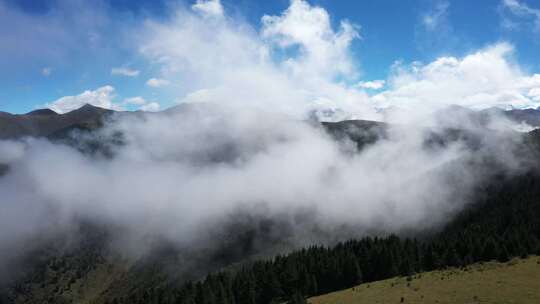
x=521 y=12
x=135 y=100
x=11 y=151
x=534 y=94
x=292 y=63
x=101 y=97
x=142 y=104
x=125 y=72
x=374 y=84
x=157 y=182
x=46 y=71
x=436 y=17
x=483 y=79
x=308 y=27
x=157 y=82
x=289 y=66
x=150 y=107
x=207 y=8
x=434 y=32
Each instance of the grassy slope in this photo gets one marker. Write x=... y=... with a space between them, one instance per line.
x=517 y=281
x=65 y=288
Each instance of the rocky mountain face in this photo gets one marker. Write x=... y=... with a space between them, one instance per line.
x=45 y=122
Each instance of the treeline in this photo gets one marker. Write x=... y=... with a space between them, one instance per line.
x=503 y=224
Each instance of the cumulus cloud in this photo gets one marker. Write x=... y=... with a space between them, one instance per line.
x=125 y=72
x=486 y=78
x=157 y=82
x=308 y=27
x=292 y=65
x=142 y=104
x=374 y=84
x=289 y=66
x=150 y=107
x=534 y=94
x=101 y=97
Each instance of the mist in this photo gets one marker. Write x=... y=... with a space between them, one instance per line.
x=189 y=177
x=243 y=153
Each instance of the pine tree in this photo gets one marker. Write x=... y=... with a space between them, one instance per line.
x=297 y=298
x=451 y=258
x=504 y=256
x=490 y=251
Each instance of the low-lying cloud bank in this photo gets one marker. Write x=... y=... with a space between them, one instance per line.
x=181 y=175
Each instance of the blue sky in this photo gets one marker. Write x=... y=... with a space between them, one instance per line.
x=52 y=49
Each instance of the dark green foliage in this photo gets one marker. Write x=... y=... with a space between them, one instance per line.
x=297 y=298
x=504 y=256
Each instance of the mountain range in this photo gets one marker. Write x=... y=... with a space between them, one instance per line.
x=47 y=123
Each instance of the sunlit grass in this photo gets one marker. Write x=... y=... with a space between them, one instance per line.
x=517 y=281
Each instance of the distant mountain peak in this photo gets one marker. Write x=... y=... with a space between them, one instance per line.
x=88 y=105
x=42 y=112
x=89 y=108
